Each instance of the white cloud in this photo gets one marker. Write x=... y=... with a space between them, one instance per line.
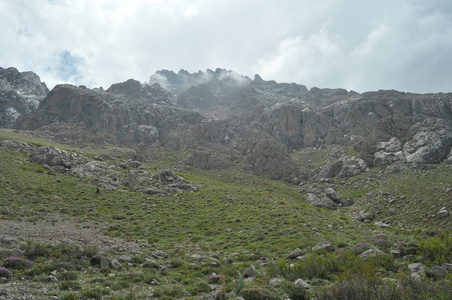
x=358 y=45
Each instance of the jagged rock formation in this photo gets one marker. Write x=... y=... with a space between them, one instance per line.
x=20 y=93
x=84 y=115
x=263 y=121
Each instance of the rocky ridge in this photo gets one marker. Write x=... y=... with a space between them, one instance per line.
x=262 y=121
x=20 y=93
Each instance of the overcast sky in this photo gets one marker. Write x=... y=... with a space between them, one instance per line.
x=359 y=45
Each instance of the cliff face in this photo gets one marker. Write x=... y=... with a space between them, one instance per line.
x=261 y=120
x=20 y=93
x=87 y=115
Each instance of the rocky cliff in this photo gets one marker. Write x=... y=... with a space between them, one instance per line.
x=84 y=115
x=20 y=93
x=262 y=121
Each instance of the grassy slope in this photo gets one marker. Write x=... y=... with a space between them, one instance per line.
x=233 y=211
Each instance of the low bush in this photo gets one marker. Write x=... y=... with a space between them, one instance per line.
x=5 y=273
x=436 y=249
x=259 y=293
x=16 y=263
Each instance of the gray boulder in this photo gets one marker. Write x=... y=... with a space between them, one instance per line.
x=294 y=254
x=429 y=141
x=442 y=213
x=302 y=283
x=333 y=195
x=250 y=272
x=322 y=202
x=323 y=246
x=371 y=252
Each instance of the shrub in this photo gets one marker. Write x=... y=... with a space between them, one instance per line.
x=138 y=259
x=70 y=296
x=120 y=285
x=382 y=244
x=67 y=276
x=16 y=263
x=69 y=285
x=199 y=287
x=95 y=293
x=361 y=247
x=294 y=292
x=4 y=272
x=34 y=250
x=238 y=284
x=68 y=251
x=90 y=250
x=259 y=293
x=172 y=292
x=436 y=249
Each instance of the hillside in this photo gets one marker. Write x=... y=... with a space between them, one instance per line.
x=217 y=186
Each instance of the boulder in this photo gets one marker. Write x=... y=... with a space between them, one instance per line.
x=323 y=246
x=276 y=281
x=429 y=141
x=322 y=202
x=442 y=213
x=303 y=283
x=417 y=268
x=333 y=195
x=369 y=253
x=294 y=254
x=250 y=272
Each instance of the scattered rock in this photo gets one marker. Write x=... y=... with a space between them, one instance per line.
x=323 y=246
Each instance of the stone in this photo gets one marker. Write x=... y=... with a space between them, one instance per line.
x=381 y=224
x=333 y=195
x=323 y=202
x=115 y=263
x=275 y=281
x=323 y=246
x=294 y=254
x=347 y=202
x=227 y=260
x=50 y=278
x=302 y=283
x=249 y=272
x=438 y=272
x=196 y=257
x=369 y=253
x=417 y=268
x=442 y=213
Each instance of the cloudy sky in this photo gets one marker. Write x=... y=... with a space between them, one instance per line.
x=359 y=45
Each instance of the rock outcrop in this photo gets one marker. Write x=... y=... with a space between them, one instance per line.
x=264 y=121
x=20 y=93
x=85 y=115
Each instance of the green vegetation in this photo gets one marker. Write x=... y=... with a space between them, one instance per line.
x=248 y=219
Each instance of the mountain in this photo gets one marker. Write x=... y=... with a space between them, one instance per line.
x=167 y=190
x=261 y=121
x=20 y=93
